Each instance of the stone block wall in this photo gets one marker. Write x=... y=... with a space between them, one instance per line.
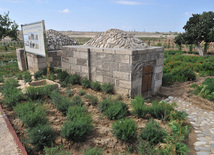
x=153 y=56
x=20 y=54
x=36 y=62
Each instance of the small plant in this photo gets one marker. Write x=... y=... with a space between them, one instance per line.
x=76 y=130
x=107 y=88
x=61 y=103
x=13 y=96
x=69 y=93
x=145 y=148
x=41 y=136
x=118 y=110
x=77 y=112
x=63 y=84
x=93 y=151
x=139 y=107
x=124 y=129
x=62 y=75
x=73 y=79
x=57 y=150
x=30 y=114
x=167 y=79
x=35 y=93
x=85 y=83
x=104 y=105
x=93 y=100
x=95 y=86
x=153 y=132
x=27 y=77
x=38 y=75
x=81 y=92
x=76 y=100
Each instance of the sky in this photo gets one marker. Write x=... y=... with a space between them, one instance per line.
x=101 y=15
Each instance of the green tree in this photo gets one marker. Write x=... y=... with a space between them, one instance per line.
x=8 y=27
x=199 y=27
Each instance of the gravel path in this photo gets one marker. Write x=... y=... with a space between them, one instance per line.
x=7 y=143
x=203 y=123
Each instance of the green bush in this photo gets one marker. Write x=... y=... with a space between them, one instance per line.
x=81 y=92
x=69 y=92
x=139 y=108
x=11 y=82
x=107 y=88
x=38 y=75
x=41 y=136
x=145 y=148
x=93 y=100
x=85 y=83
x=95 y=86
x=93 y=151
x=153 y=132
x=1 y=79
x=167 y=79
x=12 y=97
x=102 y=106
x=76 y=130
x=19 y=76
x=178 y=115
x=118 y=110
x=76 y=100
x=61 y=103
x=73 y=79
x=62 y=75
x=57 y=150
x=35 y=93
x=124 y=129
x=27 y=77
x=30 y=114
x=63 y=84
x=77 y=112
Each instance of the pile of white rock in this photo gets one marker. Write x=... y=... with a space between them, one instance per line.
x=115 y=38
x=55 y=40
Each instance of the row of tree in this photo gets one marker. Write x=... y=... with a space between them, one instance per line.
x=199 y=27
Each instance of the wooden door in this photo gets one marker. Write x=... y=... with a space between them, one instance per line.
x=147 y=79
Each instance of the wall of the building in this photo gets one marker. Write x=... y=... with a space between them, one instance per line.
x=154 y=57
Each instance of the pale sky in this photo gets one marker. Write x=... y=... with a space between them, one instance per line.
x=101 y=15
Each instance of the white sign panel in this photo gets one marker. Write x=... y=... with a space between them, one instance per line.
x=34 y=38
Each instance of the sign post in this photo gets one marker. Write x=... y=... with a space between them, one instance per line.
x=35 y=40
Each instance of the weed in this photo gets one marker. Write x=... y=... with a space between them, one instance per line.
x=93 y=100
x=27 y=77
x=85 y=83
x=95 y=86
x=124 y=129
x=93 y=151
x=73 y=79
x=81 y=92
x=139 y=107
x=107 y=88
x=57 y=150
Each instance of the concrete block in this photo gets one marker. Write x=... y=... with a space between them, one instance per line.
x=159 y=62
x=82 y=62
x=158 y=83
x=84 y=55
x=158 y=76
x=65 y=59
x=84 y=69
x=76 y=68
x=123 y=67
x=66 y=65
x=125 y=84
x=104 y=73
x=122 y=58
x=76 y=54
x=123 y=51
x=108 y=50
x=122 y=91
x=122 y=75
x=158 y=69
x=107 y=79
x=99 y=79
x=72 y=60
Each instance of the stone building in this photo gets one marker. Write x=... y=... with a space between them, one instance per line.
x=119 y=58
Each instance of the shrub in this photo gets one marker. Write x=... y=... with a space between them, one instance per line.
x=63 y=84
x=41 y=136
x=104 y=105
x=81 y=92
x=11 y=82
x=167 y=79
x=61 y=103
x=1 y=78
x=13 y=96
x=30 y=114
x=139 y=107
x=76 y=130
x=108 y=88
x=145 y=148
x=117 y=110
x=77 y=112
x=27 y=77
x=160 y=110
x=69 y=92
x=153 y=132
x=18 y=76
x=62 y=75
x=38 y=75
x=57 y=150
x=76 y=100
x=124 y=129
x=73 y=79
x=35 y=93
x=178 y=115
x=93 y=151
x=85 y=83
x=93 y=100
x=95 y=86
